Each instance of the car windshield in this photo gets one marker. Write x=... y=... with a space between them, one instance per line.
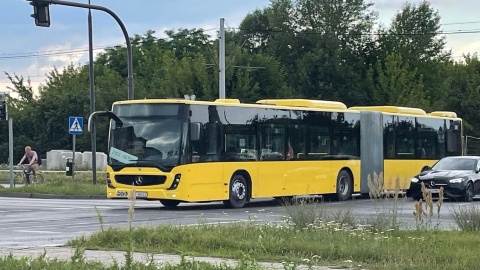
x=450 y=164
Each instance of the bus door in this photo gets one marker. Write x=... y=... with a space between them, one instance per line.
x=272 y=156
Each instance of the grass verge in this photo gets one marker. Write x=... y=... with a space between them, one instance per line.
x=325 y=243
x=77 y=262
x=80 y=177
x=59 y=188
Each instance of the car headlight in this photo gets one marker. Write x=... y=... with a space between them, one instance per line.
x=414 y=180
x=456 y=180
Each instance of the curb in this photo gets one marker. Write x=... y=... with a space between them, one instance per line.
x=50 y=196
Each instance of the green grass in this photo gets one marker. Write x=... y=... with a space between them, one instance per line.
x=84 y=177
x=78 y=263
x=324 y=244
x=60 y=188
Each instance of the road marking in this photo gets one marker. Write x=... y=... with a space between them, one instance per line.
x=28 y=231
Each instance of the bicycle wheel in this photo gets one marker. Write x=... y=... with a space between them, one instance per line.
x=19 y=179
x=38 y=178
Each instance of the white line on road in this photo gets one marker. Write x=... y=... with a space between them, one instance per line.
x=41 y=232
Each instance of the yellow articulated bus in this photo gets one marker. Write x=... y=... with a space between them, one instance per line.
x=179 y=151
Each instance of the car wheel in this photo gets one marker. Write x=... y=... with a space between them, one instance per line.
x=417 y=197
x=468 y=196
x=170 y=203
x=344 y=186
x=238 y=192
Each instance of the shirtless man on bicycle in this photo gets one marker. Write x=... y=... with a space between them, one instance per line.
x=32 y=163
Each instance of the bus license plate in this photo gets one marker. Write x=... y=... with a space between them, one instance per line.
x=141 y=194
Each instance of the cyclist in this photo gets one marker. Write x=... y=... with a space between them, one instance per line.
x=32 y=163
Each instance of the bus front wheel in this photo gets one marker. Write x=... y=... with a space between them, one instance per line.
x=344 y=186
x=170 y=203
x=238 y=192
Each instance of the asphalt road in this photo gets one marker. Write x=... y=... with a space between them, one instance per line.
x=44 y=222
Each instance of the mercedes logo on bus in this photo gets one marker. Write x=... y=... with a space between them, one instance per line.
x=139 y=181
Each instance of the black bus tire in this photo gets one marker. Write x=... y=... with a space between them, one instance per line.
x=237 y=192
x=169 y=203
x=344 y=186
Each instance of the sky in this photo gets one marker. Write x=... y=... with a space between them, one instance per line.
x=30 y=51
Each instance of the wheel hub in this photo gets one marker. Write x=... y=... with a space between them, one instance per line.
x=238 y=189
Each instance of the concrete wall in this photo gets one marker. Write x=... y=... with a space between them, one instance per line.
x=57 y=159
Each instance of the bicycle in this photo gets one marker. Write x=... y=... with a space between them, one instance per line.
x=36 y=177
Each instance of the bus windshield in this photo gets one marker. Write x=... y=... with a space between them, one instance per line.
x=147 y=137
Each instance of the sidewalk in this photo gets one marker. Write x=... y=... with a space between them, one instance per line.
x=108 y=257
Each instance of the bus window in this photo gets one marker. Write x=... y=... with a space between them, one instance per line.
x=273 y=142
x=405 y=139
x=318 y=144
x=240 y=147
x=296 y=142
x=345 y=145
x=454 y=138
x=388 y=137
x=427 y=145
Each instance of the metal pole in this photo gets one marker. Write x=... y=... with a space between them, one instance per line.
x=120 y=23
x=73 y=158
x=92 y=96
x=10 y=149
x=221 y=62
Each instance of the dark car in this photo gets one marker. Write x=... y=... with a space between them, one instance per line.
x=457 y=175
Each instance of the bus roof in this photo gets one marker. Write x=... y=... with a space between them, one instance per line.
x=390 y=109
x=302 y=104
x=321 y=104
x=286 y=104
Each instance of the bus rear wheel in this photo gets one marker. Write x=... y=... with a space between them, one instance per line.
x=344 y=186
x=238 y=192
x=170 y=203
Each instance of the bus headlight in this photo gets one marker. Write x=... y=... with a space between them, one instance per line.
x=109 y=182
x=414 y=180
x=176 y=181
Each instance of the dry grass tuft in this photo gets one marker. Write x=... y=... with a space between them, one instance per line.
x=423 y=212
x=467 y=217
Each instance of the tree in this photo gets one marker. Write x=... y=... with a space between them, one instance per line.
x=465 y=92
x=392 y=83
x=319 y=43
x=414 y=33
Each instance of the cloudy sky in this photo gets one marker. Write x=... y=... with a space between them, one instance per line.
x=33 y=51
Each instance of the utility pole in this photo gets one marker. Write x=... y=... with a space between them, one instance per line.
x=221 y=58
x=92 y=96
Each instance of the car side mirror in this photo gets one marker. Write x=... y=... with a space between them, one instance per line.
x=477 y=170
x=425 y=168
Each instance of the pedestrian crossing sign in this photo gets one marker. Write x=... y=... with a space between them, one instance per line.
x=75 y=125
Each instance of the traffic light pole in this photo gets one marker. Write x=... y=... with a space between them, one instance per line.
x=124 y=30
x=10 y=150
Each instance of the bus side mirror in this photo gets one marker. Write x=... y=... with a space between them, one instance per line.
x=195 y=129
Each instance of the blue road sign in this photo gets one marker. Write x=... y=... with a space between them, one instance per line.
x=75 y=125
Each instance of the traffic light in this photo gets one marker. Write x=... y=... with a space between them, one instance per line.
x=3 y=111
x=41 y=13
